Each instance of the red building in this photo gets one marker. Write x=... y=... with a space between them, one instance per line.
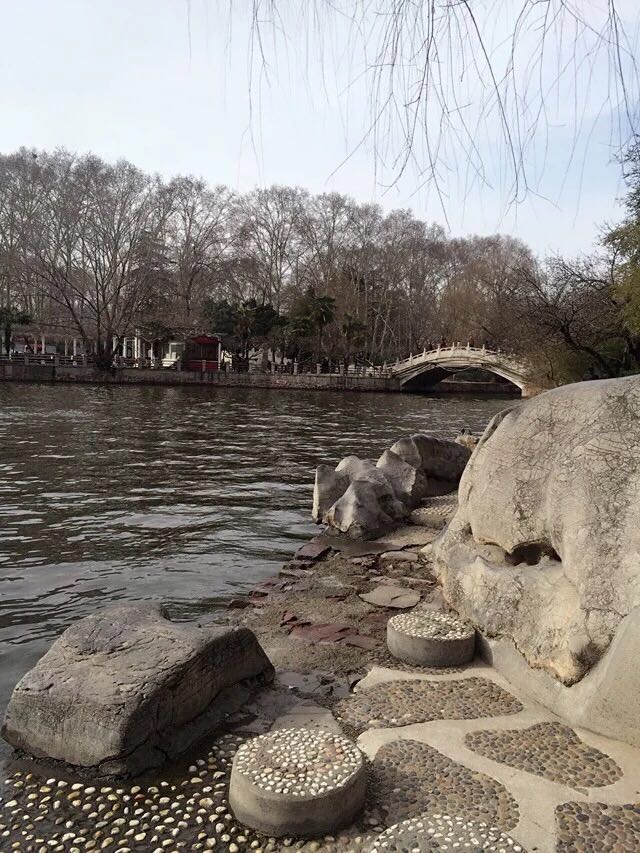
x=202 y=353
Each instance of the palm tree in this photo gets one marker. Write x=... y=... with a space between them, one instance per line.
x=354 y=332
x=321 y=312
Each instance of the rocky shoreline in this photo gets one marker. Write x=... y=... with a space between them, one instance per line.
x=317 y=665
x=455 y=757
x=326 y=640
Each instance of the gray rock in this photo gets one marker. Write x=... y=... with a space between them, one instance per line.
x=364 y=471
x=409 y=484
x=544 y=549
x=363 y=512
x=329 y=486
x=362 y=500
x=436 y=457
x=122 y=690
x=399 y=557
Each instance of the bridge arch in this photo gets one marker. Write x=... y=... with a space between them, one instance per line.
x=430 y=367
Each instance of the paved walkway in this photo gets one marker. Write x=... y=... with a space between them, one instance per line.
x=572 y=790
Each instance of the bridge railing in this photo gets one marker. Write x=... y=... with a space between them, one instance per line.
x=416 y=358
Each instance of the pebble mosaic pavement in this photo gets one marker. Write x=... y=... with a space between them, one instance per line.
x=597 y=828
x=431 y=624
x=404 y=703
x=442 y=832
x=53 y=815
x=550 y=750
x=411 y=777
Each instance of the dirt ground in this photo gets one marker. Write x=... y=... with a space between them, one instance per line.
x=285 y=610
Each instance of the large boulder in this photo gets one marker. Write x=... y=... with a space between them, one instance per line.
x=367 y=504
x=122 y=690
x=544 y=549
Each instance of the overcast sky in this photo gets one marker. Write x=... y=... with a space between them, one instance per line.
x=165 y=84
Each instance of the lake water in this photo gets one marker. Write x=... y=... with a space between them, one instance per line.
x=184 y=495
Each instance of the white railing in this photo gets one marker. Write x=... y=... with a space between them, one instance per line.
x=53 y=360
x=441 y=352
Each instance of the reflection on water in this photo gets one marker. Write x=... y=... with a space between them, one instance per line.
x=186 y=495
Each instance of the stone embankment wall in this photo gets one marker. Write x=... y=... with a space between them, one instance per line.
x=141 y=376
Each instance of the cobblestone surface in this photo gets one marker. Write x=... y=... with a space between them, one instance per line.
x=410 y=778
x=403 y=703
x=550 y=750
x=442 y=832
x=597 y=828
x=186 y=813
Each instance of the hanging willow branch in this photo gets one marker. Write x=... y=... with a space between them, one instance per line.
x=449 y=81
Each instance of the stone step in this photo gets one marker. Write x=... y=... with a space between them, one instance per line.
x=430 y=638
x=298 y=782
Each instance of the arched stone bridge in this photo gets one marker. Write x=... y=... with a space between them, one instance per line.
x=434 y=365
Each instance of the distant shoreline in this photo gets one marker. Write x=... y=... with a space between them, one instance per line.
x=44 y=373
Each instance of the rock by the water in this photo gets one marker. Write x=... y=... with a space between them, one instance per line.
x=409 y=484
x=544 y=549
x=468 y=440
x=122 y=690
x=362 y=500
x=329 y=486
x=362 y=511
x=439 y=458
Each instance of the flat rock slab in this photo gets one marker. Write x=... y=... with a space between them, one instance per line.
x=398 y=597
x=122 y=690
x=297 y=782
x=355 y=547
x=313 y=551
x=326 y=632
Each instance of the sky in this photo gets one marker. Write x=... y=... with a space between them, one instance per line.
x=170 y=86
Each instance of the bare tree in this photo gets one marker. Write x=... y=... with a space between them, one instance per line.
x=92 y=243
x=268 y=223
x=198 y=236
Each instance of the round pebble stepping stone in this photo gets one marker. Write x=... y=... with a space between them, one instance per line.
x=430 y=638
x=297 y=782
x=441 y=832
